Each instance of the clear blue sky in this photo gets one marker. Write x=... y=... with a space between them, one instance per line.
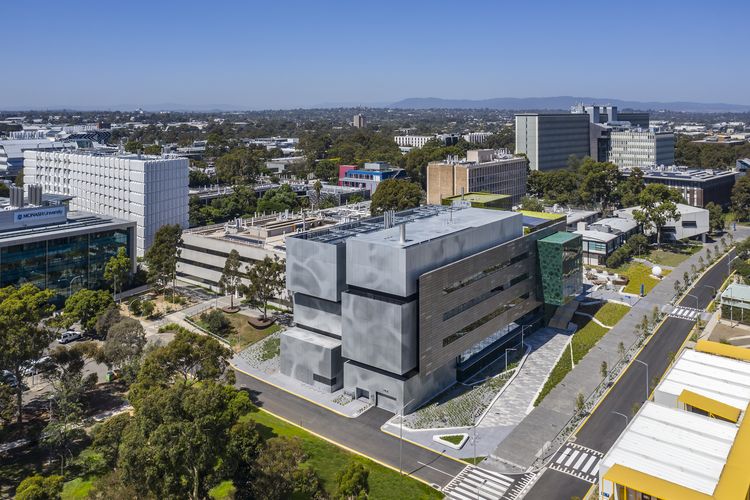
x=274 y=54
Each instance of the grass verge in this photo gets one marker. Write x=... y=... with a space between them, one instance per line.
x=584 y=339
x=327 y=459
x=638 y=273
x=452 y=438
x=77 y=488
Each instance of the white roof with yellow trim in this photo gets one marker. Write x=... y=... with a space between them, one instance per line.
x=723 y=379
x=683 y=448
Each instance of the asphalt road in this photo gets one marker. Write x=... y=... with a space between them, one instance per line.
x=603 y=427
x=362 y=433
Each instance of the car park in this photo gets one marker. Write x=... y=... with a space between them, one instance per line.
x=41 y=365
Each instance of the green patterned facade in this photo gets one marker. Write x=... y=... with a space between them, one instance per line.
x=560 y=264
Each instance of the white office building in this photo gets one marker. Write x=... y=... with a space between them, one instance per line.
x=640 y=148
x=150 y=190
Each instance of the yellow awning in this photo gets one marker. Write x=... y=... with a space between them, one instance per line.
x=650 y=485
x=711 y=406
x=726 y=350
x=734 y=482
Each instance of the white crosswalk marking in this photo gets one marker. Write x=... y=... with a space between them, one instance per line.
x=577 y=461
x=474 y=483
x=571 y=458
x=588 y=465
x=687 y=313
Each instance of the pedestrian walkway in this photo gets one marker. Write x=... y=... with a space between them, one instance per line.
x=474 y=483
x=522 y=446
x=517 y=400
x=577 y=461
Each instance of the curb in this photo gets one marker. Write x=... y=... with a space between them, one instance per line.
x=235 y=367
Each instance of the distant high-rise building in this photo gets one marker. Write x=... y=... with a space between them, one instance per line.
x=150 y=190
x=359 y=121
x=550 y=139
x=601 y=132
x=483 y=170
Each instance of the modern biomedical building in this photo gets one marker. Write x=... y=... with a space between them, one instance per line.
x=150 y=190
x=549 y=139
x=692 y=441
x=396 y=308
x=43 y=243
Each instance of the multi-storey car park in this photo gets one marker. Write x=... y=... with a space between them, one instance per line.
x=398 y=307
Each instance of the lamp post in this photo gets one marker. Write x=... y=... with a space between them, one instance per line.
x=696 y=300
x=646 y=365
x=70 y=285
x=479 y=488
x=401 y=437
x=623 y=416
x=506 y=356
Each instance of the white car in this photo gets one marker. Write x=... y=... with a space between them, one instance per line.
x=69 y=336
x=40 y=365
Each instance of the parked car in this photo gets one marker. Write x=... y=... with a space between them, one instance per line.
x=69 y=336
x=41 y=365
x=7 y=377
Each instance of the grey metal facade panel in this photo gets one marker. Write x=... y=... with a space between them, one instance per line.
x=301 y=360
x=315 y=268
x=379 y=333
x=318 y=314
x=434 y=302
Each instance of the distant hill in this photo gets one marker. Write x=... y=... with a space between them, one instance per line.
x=563 y=103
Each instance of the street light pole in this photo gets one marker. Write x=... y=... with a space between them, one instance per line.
x=479 y=488
x=646 y=365
x=506 y=356
x=70 y=285
x=696 y=300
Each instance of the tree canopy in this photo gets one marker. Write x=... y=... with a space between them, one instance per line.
x=395 y=194
x=85 y=306
x=161 y=257
x=741 y=198
x=266 y=281
x=24 y=338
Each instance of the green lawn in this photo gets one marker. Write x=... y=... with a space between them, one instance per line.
x=588 y=334
x=327 y=459
x=610 y=313
x=638 y=273
x=452 y=438
x=667 y=258
x=247 y=333
x=77 y=488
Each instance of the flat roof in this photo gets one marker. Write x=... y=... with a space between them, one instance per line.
x=619 y=223
x=737 y=291
x=683 y=448
x=424 y=223
x=560 y=237
x=722 y=379
x=541 y=215
x=312 y=337
x=593 y=235
x=437 y=226
x=682 y=173
x=75 y=221
x=479 y=197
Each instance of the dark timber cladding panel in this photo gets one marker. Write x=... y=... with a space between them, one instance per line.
x=464 y=282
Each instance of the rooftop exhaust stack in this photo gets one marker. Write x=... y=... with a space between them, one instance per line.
x=16 y=196
x=35 y=194
x=402 y=238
